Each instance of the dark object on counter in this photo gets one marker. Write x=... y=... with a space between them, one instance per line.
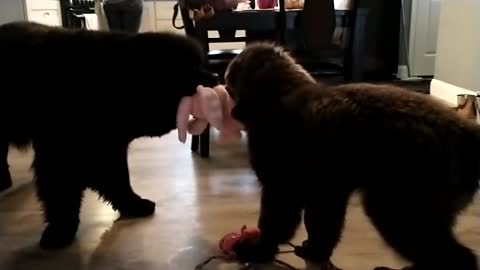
x=382 y=39
x=318 y=23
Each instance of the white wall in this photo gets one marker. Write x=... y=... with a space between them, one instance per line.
x=457 y=64
x=11 y=10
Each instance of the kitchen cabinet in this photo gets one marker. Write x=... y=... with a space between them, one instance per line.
x=43 y=11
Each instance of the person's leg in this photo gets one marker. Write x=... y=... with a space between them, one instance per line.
x=132 y=16
x=114 y=17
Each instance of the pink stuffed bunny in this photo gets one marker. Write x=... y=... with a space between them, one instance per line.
x=208 y=106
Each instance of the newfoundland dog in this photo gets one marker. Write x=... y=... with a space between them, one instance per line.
x=79 y=98
x=414 y=161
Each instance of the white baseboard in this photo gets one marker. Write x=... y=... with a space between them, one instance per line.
x=447 y=92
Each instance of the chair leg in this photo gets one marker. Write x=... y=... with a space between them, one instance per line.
x=355 y=57
x=205 y=143
x=195 y=143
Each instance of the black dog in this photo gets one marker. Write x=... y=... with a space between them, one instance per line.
x=79 y=98
x=415 y=162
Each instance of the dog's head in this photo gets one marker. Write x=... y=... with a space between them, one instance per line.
x=260 y=76
x=182 y=58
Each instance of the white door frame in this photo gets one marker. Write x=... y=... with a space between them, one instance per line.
x=418 y=30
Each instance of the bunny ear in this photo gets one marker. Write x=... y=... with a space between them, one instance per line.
x=183 y=114
x=211 y=106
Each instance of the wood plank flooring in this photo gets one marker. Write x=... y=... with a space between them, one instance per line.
x=198 y=201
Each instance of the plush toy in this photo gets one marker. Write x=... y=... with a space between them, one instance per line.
x=228 y=242
x=208 y=106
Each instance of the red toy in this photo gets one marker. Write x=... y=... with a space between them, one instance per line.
x=227 y=243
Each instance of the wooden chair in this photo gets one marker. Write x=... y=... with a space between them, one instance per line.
x=227 y=24
x=73 y=10
x=349 y=56
x=257 y=25
x=273 y=25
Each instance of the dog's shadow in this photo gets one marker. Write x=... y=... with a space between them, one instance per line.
x=33 y=257
x=126 y=246
x=110 y=254
x=120 y=247
x=19 y=250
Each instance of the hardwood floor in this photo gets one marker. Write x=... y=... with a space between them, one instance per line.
x=198 y=201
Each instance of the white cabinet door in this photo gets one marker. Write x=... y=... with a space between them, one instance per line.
x=50 y=17
x=423 y=36
x=44 y=12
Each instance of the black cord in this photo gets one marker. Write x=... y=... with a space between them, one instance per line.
x=207 y=261
x=248 y=265
x=175 y=15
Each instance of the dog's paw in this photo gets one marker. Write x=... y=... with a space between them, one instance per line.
x=255 y=252
x=58 y=236
x=138 y=208
x=309 y=253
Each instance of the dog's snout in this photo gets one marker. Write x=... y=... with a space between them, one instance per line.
x=210 y=79
x=216 y=77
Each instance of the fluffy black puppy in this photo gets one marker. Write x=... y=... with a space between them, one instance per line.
x=79 y=98
x=414 y=161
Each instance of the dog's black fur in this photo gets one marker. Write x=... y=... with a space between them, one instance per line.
x=80 y=128
x=414 y=161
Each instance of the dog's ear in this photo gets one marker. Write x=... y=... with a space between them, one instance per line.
x=183 y=113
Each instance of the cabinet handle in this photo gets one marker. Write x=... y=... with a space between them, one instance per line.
x=46 y=13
